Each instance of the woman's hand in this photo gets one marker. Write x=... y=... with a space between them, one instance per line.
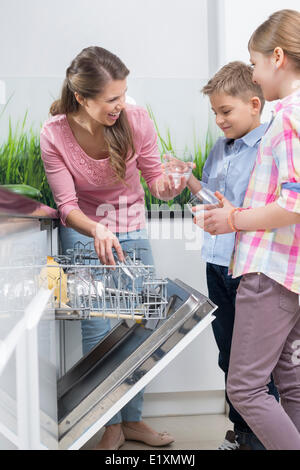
x=215 y=220
x=104 y=242
x=104 y=239
x=164 y=187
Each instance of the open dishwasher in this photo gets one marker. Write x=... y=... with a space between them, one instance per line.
x=155 y=319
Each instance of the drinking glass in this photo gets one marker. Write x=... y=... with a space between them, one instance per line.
x=178 y=163
x=202 y=197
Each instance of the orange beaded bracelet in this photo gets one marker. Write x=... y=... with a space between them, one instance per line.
x=230 y=221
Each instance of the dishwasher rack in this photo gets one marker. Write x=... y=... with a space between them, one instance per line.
x=84 y=288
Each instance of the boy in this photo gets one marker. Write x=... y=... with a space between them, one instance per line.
x=237 y=104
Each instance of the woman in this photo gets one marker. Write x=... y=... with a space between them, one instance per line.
x=93 y=148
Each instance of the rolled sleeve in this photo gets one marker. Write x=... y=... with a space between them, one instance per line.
x=290 y=200
x=59 y=178
x=286 y=151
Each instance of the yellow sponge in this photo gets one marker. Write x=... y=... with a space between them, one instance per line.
x=55 y=277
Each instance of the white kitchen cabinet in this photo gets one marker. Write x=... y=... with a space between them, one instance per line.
x=28 y=403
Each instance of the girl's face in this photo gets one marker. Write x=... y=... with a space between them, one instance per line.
x=264 y=74
x=106 y=107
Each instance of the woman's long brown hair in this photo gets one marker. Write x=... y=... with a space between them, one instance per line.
x=87 y=75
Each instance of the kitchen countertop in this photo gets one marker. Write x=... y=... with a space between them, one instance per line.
x=20 y=213
x=17 y=206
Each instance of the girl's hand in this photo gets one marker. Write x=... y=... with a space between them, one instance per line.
x=104 y=241
x=215 y=220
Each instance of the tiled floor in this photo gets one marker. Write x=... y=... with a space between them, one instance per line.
x=204 y=432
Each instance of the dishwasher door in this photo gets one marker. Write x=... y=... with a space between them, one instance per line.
x=124 y=362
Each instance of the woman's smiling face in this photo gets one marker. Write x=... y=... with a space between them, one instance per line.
x=106 y=107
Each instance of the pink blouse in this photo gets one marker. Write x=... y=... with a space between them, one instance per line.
x=81 y=182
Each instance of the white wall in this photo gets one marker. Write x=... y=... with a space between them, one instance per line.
x=163 y=43
x=156 y=39
x=238 y=20
x=171 y=47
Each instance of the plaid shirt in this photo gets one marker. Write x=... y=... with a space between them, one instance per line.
x=275 y=177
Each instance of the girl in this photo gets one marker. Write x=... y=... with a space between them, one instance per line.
x=93 y=148
x=266 y=335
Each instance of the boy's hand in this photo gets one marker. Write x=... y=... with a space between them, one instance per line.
x=215 y=220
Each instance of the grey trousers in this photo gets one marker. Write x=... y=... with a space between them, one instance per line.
x=266 y=340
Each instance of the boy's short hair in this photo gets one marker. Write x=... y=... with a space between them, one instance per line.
x=235 y=79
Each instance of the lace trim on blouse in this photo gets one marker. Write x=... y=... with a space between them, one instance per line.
x=98 y=172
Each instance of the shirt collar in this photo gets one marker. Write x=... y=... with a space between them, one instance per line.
x=293 y=98
x=252 y=137
x=255 y=135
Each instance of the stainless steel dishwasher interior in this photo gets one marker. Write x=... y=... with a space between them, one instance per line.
x=123 y=360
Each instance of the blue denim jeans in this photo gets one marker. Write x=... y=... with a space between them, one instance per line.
x=222 y=289
x=93 y=330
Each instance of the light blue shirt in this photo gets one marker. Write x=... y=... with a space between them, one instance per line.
x=228 y=169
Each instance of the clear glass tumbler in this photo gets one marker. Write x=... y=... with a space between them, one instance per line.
x=178 y=163
x=202 y=197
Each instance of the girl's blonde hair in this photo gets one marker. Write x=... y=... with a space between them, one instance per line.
x=281 y=29
x=87 y=75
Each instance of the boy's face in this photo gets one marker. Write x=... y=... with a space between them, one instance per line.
x=234 y=116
